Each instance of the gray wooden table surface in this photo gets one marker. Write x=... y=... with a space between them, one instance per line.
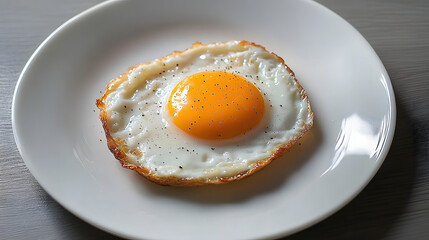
x=395 y=204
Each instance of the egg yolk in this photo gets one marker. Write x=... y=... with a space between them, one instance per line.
x=215 y=105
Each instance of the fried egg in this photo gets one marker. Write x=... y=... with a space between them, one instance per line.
x=211 y=114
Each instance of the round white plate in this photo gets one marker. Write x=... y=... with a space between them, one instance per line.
x=60 y=137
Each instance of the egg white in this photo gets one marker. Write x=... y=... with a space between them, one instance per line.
x=137 y=114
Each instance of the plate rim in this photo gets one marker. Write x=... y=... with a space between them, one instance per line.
x=109 y=3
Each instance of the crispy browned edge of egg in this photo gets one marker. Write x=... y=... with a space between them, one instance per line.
x=119 y=150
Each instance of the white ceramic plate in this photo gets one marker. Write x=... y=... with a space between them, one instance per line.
x=61 y=140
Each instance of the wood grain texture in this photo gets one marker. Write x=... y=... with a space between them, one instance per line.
x=395 y=205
